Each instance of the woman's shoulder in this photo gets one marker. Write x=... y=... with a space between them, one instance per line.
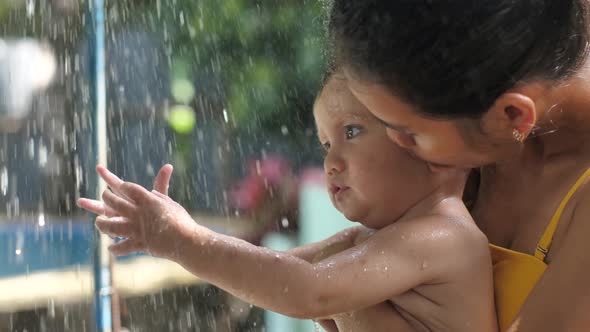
x=564 y=284
x=572 y=216
x=578 y=228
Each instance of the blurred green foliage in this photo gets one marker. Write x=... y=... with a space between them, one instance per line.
x=262 y=58
x=272 y=53
x=4 y=7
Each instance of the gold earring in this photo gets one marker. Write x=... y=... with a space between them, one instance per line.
x=517 y=135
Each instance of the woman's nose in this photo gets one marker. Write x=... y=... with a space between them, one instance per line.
x=404 y=140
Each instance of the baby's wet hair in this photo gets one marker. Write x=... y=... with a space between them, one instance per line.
x=331 y=72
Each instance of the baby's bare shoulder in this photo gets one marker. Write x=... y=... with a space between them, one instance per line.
x=450 y=242
x=438 y=229
x=465 y=240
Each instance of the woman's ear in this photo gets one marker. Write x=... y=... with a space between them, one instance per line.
x=513 y=114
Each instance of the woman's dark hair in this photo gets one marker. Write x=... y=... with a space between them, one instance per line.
x=453 y=58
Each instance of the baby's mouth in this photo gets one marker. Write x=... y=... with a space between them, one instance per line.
x=337 y=189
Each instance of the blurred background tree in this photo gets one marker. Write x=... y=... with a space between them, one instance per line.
x=239 y=76
x=250 y=69
x=260 y=60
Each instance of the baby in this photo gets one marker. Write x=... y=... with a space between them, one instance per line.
x=417 y=262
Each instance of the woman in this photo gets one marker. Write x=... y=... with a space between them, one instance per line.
x=502 y=86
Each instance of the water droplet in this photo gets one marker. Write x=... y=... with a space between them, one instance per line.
x=4 y=180
x=31 y=149
x=424 y=266
x=316 y=326
x=51 y=309
x=30 y=8
x=181 y=18
x=42 y=155
x=284 y=130
x=225 y=117
x=285 y=222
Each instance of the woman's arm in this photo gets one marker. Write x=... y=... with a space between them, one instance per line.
x=561 y=299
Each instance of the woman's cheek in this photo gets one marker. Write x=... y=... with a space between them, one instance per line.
x=425 y=144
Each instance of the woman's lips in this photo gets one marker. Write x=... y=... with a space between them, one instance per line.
x=438 y=167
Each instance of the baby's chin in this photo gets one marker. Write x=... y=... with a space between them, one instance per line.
x=370 y=217
x=350 y=214
x=373 y=222
x=358 y=217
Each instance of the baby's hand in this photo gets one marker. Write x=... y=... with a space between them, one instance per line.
x=150 y=222
x=161 y=184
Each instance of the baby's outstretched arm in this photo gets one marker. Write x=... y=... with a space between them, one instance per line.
x=390 y=262
x=385 y=265
x=340 y=241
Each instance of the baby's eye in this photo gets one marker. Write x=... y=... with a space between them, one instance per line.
x=326 y=146
x=351 y=131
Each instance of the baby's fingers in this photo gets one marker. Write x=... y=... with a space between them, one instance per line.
x=111 y=179
x=136 y=192
x=162 y=181
x=116 y=227
x=119 y=204
x=126 y=247
x=96 y=207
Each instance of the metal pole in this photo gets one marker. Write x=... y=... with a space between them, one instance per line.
x=101 y=256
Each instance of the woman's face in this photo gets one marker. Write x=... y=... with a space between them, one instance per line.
x=442 y=143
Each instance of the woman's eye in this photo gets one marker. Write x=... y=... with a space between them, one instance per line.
x=326 y=146
x=351 y=131
x=409 y=139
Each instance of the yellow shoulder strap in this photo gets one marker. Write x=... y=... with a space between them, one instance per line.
x=545 y=242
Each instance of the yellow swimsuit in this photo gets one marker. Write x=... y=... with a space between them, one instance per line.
x=515 y=273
